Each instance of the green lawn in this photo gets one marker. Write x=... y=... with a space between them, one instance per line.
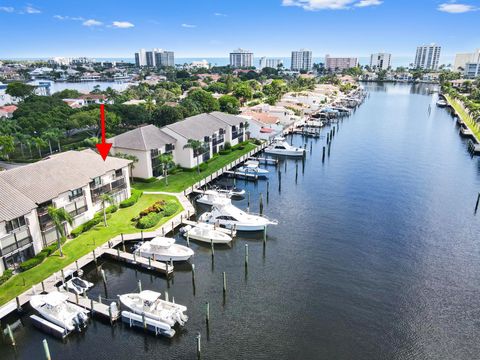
x=184 y=179
x=85 y=243
x=467 y=119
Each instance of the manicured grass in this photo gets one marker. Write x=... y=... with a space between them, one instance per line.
x=467 y=119
x=120 y=222
x=183 y=180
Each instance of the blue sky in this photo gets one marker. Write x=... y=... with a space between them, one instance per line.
x=211 y=28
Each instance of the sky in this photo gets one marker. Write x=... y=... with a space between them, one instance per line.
x=213 y=28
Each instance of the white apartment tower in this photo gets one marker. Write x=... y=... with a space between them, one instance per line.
x=461 y=60
x=154 y=58
x=427 y=57
x=270 y=63
x=241 y=58
x=380 y=61
x=301 y=60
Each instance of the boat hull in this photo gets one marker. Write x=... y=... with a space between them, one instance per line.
x=284 y=153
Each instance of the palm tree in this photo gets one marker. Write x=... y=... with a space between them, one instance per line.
x=246 y=125
x=198 y=148
x=166 y=160
x=106 y=198
x=59 y=217
x=39 y=143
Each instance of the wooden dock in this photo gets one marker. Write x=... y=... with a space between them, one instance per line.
x=99 y=309
x=145 y=263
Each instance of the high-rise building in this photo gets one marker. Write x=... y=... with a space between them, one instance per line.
x=265 y=62
x=156 y=57
x=141 y=58
x=241 y=58
x=427 y=57
x=380 y=61
x=340 y=63
x=301 y=60
x=462 y=59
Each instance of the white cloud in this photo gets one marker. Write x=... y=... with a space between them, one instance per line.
x=31 y=10
x=92 y=22
x=189 y=26
x=122 y=24
x=219 y=14
x=365 y=3
x=75 y=18
x=7 y=9
x=313 y=5
x=454 y=8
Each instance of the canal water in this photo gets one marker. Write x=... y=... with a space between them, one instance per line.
x=376 y=255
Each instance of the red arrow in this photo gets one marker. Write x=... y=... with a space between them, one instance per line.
x=104 y=147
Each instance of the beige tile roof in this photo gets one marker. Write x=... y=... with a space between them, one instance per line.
x=13 y=203
x=48 y=178
x=143 y=138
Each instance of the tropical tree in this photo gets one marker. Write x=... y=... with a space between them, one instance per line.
x=59 y=217
x=166 y=160
x=246 y=125
x=229 y=104
x=39 y=143
x=198 y=148
x=106 y=198
x=19 y=90
x=7 y=145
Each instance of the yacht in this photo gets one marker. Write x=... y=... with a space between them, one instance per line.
x=55 y=308
x=251 y=168
x=206 y=233
x=210 y=196
x=441 y=103
x=164 y=249
x=78 y=285
x=229 y=216
x=281 y=147
x=148 y=302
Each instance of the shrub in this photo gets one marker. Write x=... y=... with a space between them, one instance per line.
x=227 y=145
x=7 y=274
x=31 y=263
x=170 y=208
x=111 y=209
x=141 y=180
x=149 y=220
x=87 y=226
x=136 y=194
x=155 y=208
x=203 y=166
x=225 y=152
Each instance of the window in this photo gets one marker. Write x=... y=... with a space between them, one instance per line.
x=118 y=173
x=15 y=224
x=96 y=181
x=75 y=193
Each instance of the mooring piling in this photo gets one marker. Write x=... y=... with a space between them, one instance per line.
x=46 y=349
x=10 y=335
x=199 y=346
x=139 y=285
x=478 y=200
x=261 y=204
x=246 y=255
x=207 y=312
x=224 y=282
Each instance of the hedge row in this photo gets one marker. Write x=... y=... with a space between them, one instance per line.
x=136 y=194
x=97 y=219
x=142 y=180
x=7 y=274
x=38 y=259
x=171 y=208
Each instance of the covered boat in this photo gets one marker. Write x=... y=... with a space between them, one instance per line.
x=164 y=249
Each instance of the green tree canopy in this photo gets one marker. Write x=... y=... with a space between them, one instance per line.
x=229 y=104
x=19 y=89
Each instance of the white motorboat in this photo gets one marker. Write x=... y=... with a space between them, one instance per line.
x=441 y=103
x=164 y=249
x=281 y=147
x=314 y=123
x=210 y=196
x=251 y=168
x=231 y=191
x=55 y=308
x=228 y=216
x=148 y=302
x=78 y=285
x=206 y=233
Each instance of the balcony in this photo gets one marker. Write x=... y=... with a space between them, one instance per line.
x=77 y=208
x=14 y=241
x=218 y=140
x=236 y=134
x=118 y=184
x=114 y=187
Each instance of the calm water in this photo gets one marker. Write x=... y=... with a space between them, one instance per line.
x=376 y=256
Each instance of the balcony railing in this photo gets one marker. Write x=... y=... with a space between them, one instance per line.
x=113 y=187
x=118 y=184
x=218 y=140
x=236 y=134
x=14 y=241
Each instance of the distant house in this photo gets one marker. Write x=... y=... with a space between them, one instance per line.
x=146 y=143
x=7 y=111
x=91 y=99
x=73 y=180
x=75 y=103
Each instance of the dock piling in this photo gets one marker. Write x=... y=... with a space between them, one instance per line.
x=139 y=285
x=224 y=283
x=104 y=277
x=246 y=255
x=212 y=248
x=199 y=346
x=478 y=200
x=123 y=242
x=46 y=349
x=10 y=335
x=207 y=312
x=193 y=277
x=261 y=204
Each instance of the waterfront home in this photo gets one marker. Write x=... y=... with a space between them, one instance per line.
x=213 y=129
x=147 y=144
x=285 y=116
x=92 y=99
x=73 y=180
x=7 y=111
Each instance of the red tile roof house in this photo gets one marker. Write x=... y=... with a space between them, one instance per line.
x=7 y=111
x=95 y=99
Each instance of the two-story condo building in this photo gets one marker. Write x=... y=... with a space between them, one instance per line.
x=74 y=180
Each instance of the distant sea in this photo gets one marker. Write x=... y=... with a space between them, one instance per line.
x=222 y=61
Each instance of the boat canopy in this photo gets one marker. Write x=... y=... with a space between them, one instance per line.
x=55 y=298
x=161 y=241
x=149 y=295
